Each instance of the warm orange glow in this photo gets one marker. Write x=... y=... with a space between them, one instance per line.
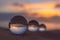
x=51 y=26
x=31 y=27
x=14 y=27
x=42 y=10
x=43 y=5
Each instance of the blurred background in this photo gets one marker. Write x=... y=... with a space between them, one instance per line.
x=44 y=11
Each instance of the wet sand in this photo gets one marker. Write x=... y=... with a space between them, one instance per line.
x=5 y=34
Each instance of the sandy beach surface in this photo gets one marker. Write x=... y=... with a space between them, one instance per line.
x=5 y=34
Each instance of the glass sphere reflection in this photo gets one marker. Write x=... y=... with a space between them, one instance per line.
x=33 y=28
x=16 y=29
x=42 y=29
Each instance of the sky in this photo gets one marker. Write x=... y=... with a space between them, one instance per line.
x=43 y=8
x=45 y=11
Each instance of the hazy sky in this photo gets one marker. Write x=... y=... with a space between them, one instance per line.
x=44 y=8
x=37 y=6
x=26 y=1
